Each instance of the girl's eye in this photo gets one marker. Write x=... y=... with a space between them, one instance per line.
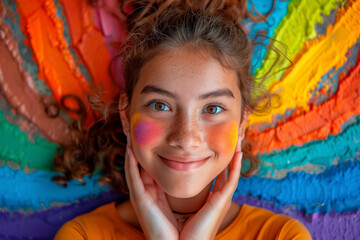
x=213 y=109
x=159 y=106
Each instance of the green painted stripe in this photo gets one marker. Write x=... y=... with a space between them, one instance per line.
x=17 y=149
x=293 y=32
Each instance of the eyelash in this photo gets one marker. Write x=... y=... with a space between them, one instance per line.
x=217 y=105
x=152 y=103
x=155 y=101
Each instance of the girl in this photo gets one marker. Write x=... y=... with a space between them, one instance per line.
x=184 y=112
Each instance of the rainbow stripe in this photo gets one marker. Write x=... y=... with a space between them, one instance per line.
x=310 y=142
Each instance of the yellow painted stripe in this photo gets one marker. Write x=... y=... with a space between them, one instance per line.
x=319 y=56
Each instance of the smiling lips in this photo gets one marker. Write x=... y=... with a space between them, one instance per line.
x=183 y=165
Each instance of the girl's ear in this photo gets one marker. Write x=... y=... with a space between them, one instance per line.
x=242 y=128
x=124 y=109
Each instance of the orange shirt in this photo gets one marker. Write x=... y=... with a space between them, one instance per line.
x=250 y=223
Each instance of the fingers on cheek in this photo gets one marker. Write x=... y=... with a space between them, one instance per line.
x=236 y=168
x=238 y=160
x=131 y=158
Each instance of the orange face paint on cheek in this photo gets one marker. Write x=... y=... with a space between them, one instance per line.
x=144 y=131
x=223 y=137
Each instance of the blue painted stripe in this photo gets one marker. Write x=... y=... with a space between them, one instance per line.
x=336 y=188
x=35 y=190
x=273 y=21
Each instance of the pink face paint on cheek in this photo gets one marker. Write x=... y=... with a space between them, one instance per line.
x=144 y=131
x=223 y=137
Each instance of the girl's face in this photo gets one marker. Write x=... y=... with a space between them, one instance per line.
x=184 y=119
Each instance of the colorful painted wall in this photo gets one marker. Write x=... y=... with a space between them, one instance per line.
x=309 y=141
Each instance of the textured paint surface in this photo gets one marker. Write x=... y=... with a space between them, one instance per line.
x=145 y=132
x=43 y=224
x=17 y=151
x=18 y=89
x=293 y=31
x=89 y=41
x=321 y=226
x=56 y=65
x=290 y=190
x=37 y=191
x=310 y=143
x=265 y=28
x=322 y=120
x=329 y=51
x=12 y=18
x=323 y=153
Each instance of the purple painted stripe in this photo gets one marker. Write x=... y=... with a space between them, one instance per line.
x=43 y=224
x=321 y=226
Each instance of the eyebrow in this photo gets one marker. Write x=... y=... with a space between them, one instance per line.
x=152 y=89
x=217 y=93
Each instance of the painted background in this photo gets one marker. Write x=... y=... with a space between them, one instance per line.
x=310 y=141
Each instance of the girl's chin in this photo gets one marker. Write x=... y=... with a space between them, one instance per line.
x=185 y=192
x=182 y=194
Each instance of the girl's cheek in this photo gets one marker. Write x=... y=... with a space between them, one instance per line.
x=223 y=137
x=145 y=132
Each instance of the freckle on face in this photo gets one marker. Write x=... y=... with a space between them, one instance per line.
x=223 y=137
x=145 y=132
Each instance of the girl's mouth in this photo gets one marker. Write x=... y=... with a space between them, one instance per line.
x=183 y=164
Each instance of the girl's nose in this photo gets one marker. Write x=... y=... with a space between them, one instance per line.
x=185 y=133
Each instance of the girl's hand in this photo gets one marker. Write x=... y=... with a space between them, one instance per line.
x=149 y=202
x=205 y=223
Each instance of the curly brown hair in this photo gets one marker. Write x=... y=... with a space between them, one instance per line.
x=156 y=26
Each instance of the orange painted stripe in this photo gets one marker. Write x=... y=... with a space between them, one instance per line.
x=316 y=124
x=56 y=64
x=88 y=40
x=44 y=31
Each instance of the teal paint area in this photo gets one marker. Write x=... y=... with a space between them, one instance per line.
x=320 y=152
x=337 y=188
x=36 y=191
x=17 y=150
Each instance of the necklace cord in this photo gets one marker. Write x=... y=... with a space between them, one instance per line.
x=182 y=213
